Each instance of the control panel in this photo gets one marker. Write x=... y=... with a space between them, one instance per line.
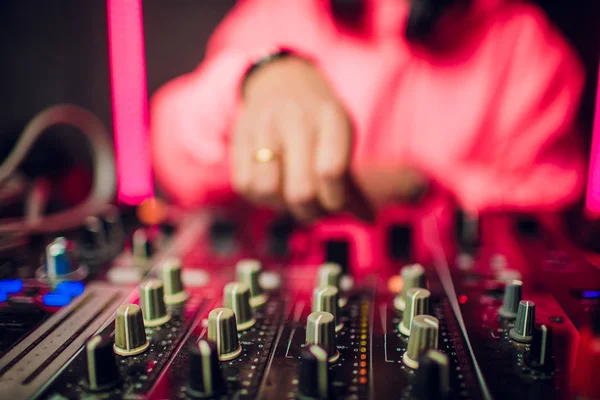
x=188 y=312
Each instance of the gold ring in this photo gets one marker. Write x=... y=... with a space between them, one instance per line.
x=264 y=155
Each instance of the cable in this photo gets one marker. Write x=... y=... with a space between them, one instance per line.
x=103 y=189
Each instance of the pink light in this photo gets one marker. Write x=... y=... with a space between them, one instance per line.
x=592 y=200
x=129 y=100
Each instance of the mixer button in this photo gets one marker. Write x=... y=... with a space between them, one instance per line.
x=523 y=330
x=102 y=370
x=329 y=274
x=58 y=262
x=512 y=298
x=423 y=336
x=173 y=285
x=432 y=381
x=113 y=227
x=248 y=272
x=130 y=336
x=540 y=354
x=417 y=304
x=313 y=373
x=205 y=376
x=142 y=246
x=320 y=330
x=413 y=276
x=152 y=302
x=223 y=331
x=326 y=298
x=93 y=237
x=237 y=297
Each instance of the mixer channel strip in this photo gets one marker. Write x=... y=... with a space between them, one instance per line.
x=33 y=362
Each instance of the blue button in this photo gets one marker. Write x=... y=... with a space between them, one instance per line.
x=72 y=288
x=3 y=296
x=56 y=299
x=11 y=286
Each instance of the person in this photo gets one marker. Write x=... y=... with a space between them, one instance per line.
x=478 y=98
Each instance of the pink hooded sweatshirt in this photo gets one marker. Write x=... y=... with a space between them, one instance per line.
x=488 y=113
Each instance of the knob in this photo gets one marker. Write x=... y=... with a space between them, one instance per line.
x=93 y=238
x=222 y=330
x=205 y=376
x=142 y=245
x=113 y=227
x=423 y=336
x=524 y=323
x=102 y=370
x=540 y=354
x=512 y=298
x=171 y=276
x=432 y=381
x=320 y=330
x=417 y=304
x=237 y=297
x=329 y=274
x=152 y=301
x=313 y=373
x=413 y=276
x=248 y=272
x=326 y=298
x=130 y=336
x=58 y=263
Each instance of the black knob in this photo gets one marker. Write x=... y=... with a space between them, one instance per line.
x=205 y=376
x=432 y=379
x=92 y=237
x=102 y=370
x=313 y=373
x=540 y=355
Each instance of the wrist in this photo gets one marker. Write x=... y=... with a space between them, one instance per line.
x=266 y=62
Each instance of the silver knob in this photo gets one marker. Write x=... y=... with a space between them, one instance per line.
x=237 y=297
x=413 y=276
x=171 y=275
x=417 y=304
x=248 y=272
x=152 y=302
x=130 y=336
x=329 y=274
x=523 y=330
x=326 y=298
x=512 y=298
x=423 y=336
x=223 y=331
x=142 y=246
x=320 y=330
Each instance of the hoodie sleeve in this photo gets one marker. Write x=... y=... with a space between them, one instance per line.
x=536 y=160
x=191 y=115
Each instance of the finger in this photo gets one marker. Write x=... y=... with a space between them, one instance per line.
x=241 y=178
x=266 y=176
x=298 y=176
x=332 y=157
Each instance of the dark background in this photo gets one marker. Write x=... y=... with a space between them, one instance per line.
x=56 y=51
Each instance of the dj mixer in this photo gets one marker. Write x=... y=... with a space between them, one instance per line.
x=208 y=306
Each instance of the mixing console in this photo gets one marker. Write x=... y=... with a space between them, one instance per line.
x=194 y=314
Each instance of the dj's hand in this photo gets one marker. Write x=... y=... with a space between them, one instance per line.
x=292 y=143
